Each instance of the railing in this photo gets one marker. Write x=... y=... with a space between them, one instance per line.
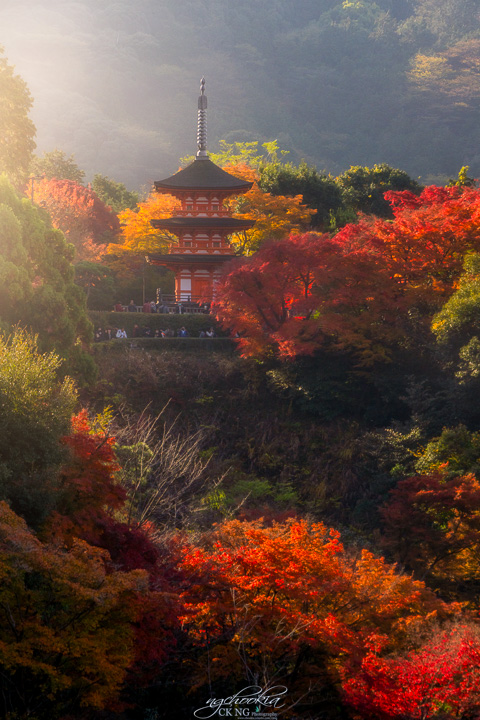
x=168 y=305
x=185 y=297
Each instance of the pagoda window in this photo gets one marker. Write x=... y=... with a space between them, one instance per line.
x=216 y=243
x=187 y=243
x=189 y=206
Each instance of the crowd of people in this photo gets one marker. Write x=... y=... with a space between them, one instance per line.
x=104 y=334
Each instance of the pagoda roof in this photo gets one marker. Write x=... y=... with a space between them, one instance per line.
x=202 y=223
x=203 y=174
x=189 y=258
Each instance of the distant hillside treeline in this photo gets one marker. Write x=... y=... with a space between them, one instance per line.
x=337 y=83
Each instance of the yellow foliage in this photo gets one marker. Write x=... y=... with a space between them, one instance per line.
x=428 y=68
x=454 y=73
x=275 y=216
x=138 y=235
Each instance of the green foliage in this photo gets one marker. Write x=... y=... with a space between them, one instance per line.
x=459 y=318
x=37 y=280
x=363 y=188
x=456 y=451
x=319 y=191
x=35 y=411
x=244 y=153
x=56 y=164
x=17 y=131
x=445 y=21
x=462 y=180
x=359 y=15
x=114 y=194
x=469 y=362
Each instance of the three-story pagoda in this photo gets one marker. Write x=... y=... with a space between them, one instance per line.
x=203 y=224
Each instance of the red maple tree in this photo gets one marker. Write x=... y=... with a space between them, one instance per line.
x=441 y=680
x=353 y=290
x=78 y=212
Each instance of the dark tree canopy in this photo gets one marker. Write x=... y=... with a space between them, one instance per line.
x=98 y=283
x=364 y=188
x=114 y=194
x=320 y=191
x=56 y=164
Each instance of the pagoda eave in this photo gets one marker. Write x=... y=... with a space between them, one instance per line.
x=213 y=224
x=203 y=174
x=175 y=189
x=190 y=259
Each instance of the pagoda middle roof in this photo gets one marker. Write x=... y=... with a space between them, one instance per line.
x=190 y=258
x=207 y=223
x=203 y=174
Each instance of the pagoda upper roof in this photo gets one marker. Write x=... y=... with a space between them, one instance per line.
x=203 y=174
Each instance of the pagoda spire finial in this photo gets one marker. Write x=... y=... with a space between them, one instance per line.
x=202 y=122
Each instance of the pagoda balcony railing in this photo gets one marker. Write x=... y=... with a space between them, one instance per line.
x=202 y=213
x=175 y=248
x=170 y=304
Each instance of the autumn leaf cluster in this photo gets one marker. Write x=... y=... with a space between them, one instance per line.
x=79 y=213
x=359 y=289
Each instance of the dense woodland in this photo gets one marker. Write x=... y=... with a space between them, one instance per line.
x=338 y=83
x=297 y=507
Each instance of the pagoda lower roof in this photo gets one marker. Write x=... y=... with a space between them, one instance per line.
x=202 y=223
x=189 y=258
x=203 y=174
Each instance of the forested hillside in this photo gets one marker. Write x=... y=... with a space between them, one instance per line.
x=277 y=516
x=337 y=83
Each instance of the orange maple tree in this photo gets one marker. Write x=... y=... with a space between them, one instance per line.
x=287 y=604
x=138 y=238
x=138 y=234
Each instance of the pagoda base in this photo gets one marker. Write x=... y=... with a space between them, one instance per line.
x=195 y=274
